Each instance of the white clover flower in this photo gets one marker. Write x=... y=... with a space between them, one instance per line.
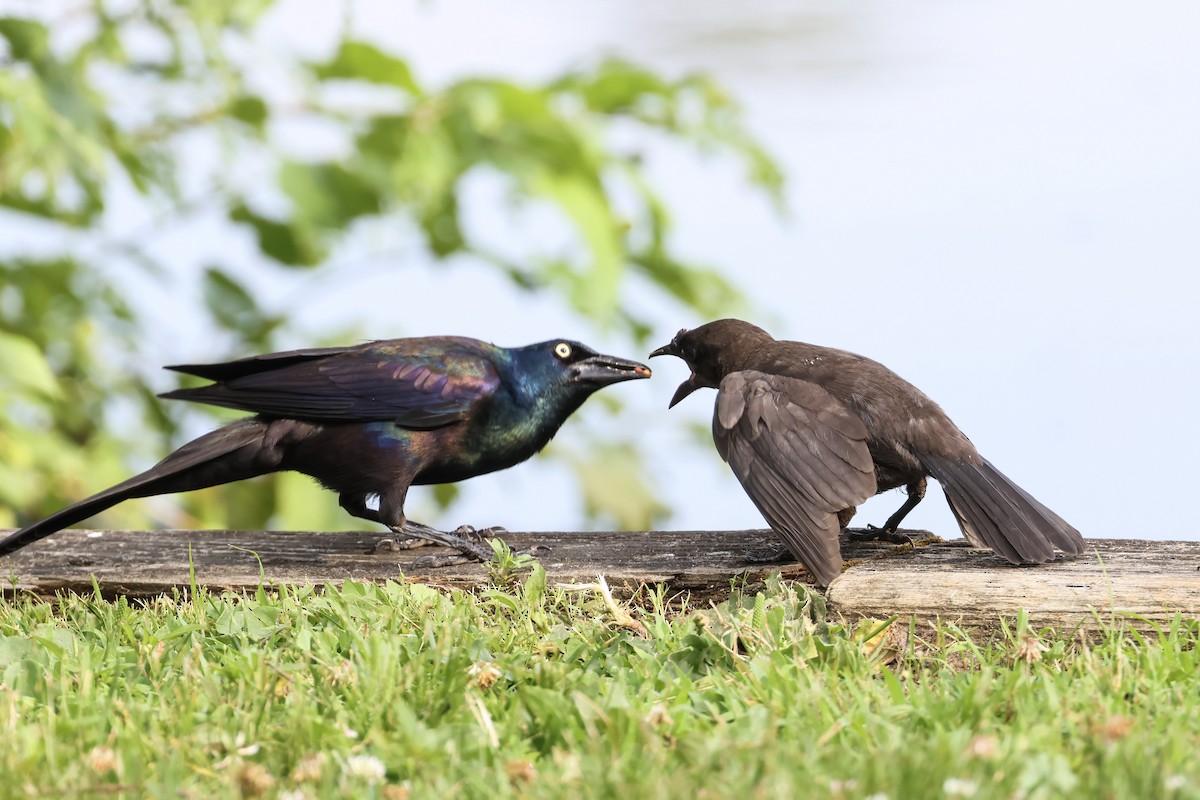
x=102 y=759
x=959 y=787
x=368 y=768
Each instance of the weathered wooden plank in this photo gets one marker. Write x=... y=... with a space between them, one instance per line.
x=143 y=563
x=950 y=580
x=955 y=582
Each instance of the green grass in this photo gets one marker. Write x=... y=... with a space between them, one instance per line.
x=408 y=691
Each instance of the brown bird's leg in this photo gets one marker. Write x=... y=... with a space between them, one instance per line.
x=916 y=493
x=888 y=533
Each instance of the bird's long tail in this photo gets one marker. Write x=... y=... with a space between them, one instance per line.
x=227 y=454
x=994 y=512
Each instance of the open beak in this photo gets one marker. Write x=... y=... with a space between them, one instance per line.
x=688 y=386
x=604 y=370
x=667 y=350
x=685 y=388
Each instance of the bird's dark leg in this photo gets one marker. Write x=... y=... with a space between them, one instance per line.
x=356 y=506
x=916 y=493
x=468 y=541
x=888 y=533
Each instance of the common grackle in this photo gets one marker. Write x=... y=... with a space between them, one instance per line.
x=370 y=421
x=811 y=432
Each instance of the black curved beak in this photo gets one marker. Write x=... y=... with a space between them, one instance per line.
x=688 y=386
x=685 y=388
x=604 y=370
x=667 y=350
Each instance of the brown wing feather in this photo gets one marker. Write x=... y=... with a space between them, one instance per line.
x=800 y=455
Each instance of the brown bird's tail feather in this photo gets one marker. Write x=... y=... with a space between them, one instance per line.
x=994 y=512
x=224 y=455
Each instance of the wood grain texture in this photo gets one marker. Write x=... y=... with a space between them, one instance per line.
x=956 y=582
x=145 y=563
x=950 y=581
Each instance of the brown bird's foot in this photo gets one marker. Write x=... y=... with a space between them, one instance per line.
x=780 y=556
x=891 y=536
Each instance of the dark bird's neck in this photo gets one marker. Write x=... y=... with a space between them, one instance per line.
x=525 y=413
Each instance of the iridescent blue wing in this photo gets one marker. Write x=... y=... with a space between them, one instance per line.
x=417 y=383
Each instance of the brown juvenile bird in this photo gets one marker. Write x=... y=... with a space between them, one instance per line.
x=811 y=432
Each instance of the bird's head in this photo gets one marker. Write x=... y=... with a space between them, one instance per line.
x=711 y=351
x=575 y=367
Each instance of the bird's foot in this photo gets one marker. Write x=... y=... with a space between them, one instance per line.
x=423 y=533
x=889 y=535
x=389 y=545
x=774 y=557
x=479 y=535
x=469 y=542
x=413 y=538
x=454 y=559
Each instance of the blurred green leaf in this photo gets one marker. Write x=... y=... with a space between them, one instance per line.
x=22 y=366
x=362 y=61
x=235 y=309
x=616 y=490
x=587 y=206
x=328 y=195
x=286 y=242
x=444 y=494
x=28 y=40
x=250 y=110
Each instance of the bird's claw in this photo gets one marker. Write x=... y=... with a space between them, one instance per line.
x=479 y=535
x=774 y=557
x=454 y=559
x=417 y=535
x=889 y=535
x=471 y=544
x=390 y=545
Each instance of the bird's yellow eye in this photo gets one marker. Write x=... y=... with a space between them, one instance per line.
x=562 y=350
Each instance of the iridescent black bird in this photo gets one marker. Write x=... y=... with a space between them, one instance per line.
x=370 y=421
x=811 y=432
